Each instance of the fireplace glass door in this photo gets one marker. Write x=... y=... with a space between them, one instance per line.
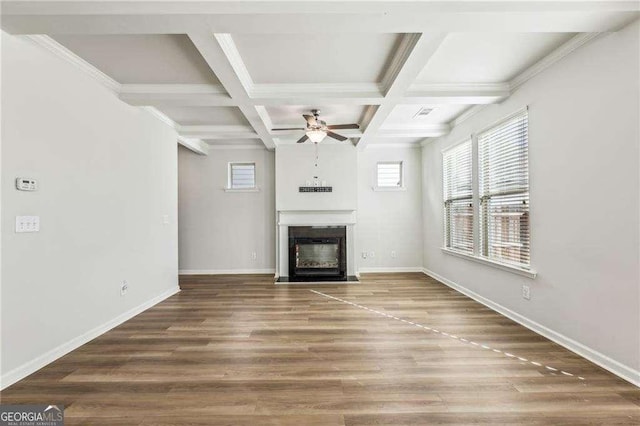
x=317 y=253
x=317 y=256
x=313 y=255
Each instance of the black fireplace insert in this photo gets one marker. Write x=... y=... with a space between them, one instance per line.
x=317 y=253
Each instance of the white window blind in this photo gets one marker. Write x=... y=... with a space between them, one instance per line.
x=389 y=174
x=504 y=191
x=242 y=175
x=458 y=197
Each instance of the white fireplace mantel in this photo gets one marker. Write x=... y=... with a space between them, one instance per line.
x=286 y=218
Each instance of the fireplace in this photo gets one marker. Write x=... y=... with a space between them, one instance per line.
x=317 y=253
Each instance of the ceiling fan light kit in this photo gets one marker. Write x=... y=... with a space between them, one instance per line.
x=316 y=135
x=317 y=129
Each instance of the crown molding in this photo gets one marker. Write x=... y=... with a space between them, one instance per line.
x=194 y=144
x=242 y=147
x=62 y=52
x=162 y=117
x=230 y=50
x=559 y=53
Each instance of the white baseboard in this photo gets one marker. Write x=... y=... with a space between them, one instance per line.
x=226 y=271
x=623 y=371
x=389 y=269
x=34 y=365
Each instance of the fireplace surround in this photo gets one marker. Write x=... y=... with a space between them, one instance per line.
x=317 y=253
x=317 y=219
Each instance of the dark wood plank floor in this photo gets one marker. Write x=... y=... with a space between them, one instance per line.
x=237 y=350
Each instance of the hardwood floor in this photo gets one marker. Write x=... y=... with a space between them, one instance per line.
x=237 y=350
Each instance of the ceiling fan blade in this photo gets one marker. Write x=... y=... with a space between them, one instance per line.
x=303 y=139
x=343 y=126
x=336 y=136
x=289 y=128
x=310 y=119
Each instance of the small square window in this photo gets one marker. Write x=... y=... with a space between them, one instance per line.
x=242 y=175
x=389 y=174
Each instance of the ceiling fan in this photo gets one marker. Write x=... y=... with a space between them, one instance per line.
x=317 y=129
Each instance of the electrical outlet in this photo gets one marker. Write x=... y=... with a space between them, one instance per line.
x=27 y=223
x=526 y=292
x=124 y=287
x=372 y=254
x=394 y=254
x=364 y=254
x=165 y=219
x=254 y=255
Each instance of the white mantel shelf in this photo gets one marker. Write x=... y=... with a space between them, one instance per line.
x=316 y=217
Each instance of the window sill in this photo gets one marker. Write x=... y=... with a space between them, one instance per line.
x=504 y=266
x=388 y=189
x=241 y=190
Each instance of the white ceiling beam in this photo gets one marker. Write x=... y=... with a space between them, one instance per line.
x=218 y=132
x=297 y=134
x=271 y=17
x=252 y=7
x=413 y=55
x=215 y=50
x=158 y=99
x=215 y=95
x=458 y=93
x=317 y=94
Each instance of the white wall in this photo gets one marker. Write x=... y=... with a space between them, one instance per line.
x=107 y=175
x=218 y=230
x=584 y=174
x=337 y=165
x=390 y=220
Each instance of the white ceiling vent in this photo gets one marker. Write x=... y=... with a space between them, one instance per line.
x=422 y=112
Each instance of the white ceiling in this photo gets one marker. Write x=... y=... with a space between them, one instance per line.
x=227 y=72
x=194 y=116
x=405 y=115
x=488 y=57
x=135 y=59
x=316 y=58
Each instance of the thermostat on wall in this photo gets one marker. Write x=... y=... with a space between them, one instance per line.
x=26 y=184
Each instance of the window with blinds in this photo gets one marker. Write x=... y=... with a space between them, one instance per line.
x=458 y=198
x=242 y=175
x=389 y=174
x=504 y=191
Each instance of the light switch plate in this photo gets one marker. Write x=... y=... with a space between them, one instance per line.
x=27 y=223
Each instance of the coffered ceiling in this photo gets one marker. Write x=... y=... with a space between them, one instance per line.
x=227 y=72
